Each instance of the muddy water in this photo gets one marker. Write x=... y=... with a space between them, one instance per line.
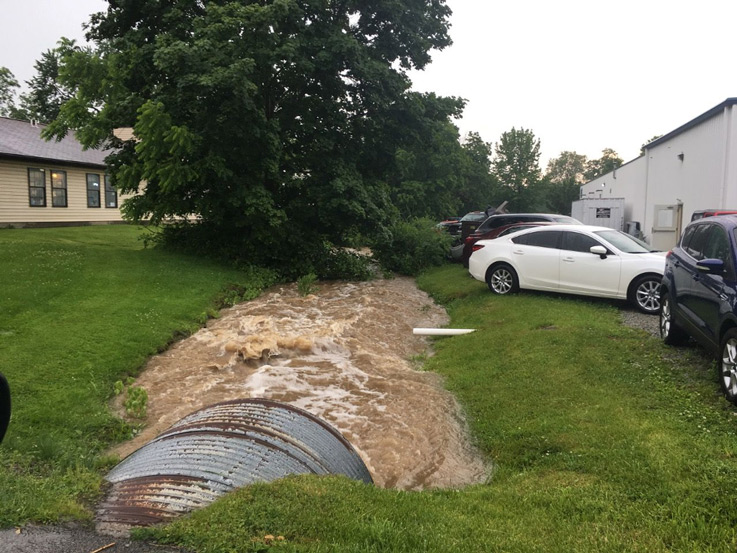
x=343 y=354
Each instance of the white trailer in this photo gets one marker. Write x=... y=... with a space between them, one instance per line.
x=602 y=212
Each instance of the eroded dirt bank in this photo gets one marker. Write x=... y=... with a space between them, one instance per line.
x=344 y=354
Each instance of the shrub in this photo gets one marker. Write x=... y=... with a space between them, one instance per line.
x=412 y=246
x=136 y=398
x=306 y=284
x=327 y=262
x=136 y=402
x=342 y=264
x=297 y=255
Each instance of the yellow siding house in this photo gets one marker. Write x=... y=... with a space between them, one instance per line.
x=52 y=183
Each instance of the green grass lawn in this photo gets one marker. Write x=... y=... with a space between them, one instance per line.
x=80 y=309
x=601 y=438
x=599 y=444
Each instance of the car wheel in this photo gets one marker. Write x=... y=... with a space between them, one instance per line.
x=645 y=294
x=502 y=279
x=728 y=365
x=670 y=332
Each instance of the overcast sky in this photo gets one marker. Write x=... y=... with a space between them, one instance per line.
x=583 y=75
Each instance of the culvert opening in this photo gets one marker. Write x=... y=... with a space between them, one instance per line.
x=347 y=355
x=216 y=450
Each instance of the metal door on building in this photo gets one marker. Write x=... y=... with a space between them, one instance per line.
x=667 y=226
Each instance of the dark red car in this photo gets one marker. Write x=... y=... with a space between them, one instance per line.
x=711 y=213
x=497 y=225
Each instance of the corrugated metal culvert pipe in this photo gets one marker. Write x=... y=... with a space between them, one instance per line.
x=218 y=449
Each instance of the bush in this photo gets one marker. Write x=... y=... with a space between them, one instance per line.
x=412 y=246
x=342 y=264
x=257 y=279
x=298 y=255
x=306 y=284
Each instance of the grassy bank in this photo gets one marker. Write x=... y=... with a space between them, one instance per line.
x=600 y=441
x=82 y=308
x=601 y=438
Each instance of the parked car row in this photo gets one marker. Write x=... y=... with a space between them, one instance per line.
x=693 y=287
x=497 y=225
x=476 y=225
x=466 y=225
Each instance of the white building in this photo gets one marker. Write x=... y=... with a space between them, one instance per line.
x=691 y=168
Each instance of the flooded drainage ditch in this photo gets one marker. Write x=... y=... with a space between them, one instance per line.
x=287 y=384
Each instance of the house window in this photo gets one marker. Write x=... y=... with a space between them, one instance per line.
x=93 y=190
x=111 y=195
x=36 y=187
x=59 y=188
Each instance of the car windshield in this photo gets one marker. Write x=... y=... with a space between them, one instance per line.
x=624 y=242
x=474 y=216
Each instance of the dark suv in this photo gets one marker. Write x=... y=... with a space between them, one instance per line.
x=698 y=296
x=488 y=229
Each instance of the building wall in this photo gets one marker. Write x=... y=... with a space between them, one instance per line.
x=627 y=182
x=14 y=196
x=729 y=195
x=697 y=180
x=692 y=170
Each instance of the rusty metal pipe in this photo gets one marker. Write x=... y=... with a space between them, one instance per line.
x=218 y=449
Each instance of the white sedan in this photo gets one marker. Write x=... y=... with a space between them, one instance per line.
x=573 y=259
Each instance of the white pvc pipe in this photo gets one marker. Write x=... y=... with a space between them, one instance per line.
x=441 y=331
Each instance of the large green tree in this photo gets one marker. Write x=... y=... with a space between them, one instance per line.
x=428 y=157
x=562 y=181
x=516 y=164
x=435 y=174
x=8 y=90
x=607 y=163
x=46 y=93
x=480 y=187
x=568 y=167
x=265 y=120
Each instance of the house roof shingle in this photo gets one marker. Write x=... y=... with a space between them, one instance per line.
x=22 y=140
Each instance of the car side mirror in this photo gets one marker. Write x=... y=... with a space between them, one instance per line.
x=711 y=266
x=598 y=250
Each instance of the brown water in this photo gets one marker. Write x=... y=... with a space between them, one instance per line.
x=343 y=354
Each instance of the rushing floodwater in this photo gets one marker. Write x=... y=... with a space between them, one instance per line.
x=343 y=354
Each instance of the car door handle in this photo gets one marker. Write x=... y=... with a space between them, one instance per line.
x=569 y=260
x=518 y=252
